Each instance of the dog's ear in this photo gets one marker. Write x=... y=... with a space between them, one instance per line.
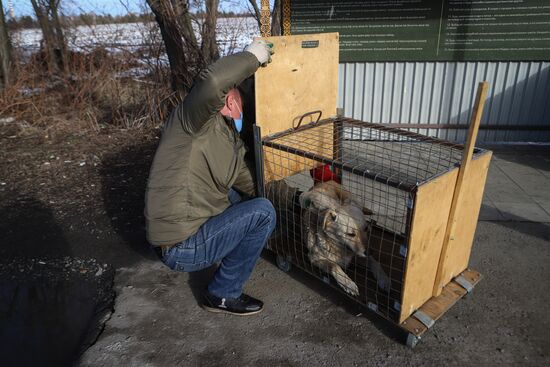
x=317 y=199
x=336 y=192
x=343 y=195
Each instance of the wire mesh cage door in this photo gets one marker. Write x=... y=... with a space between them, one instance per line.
x=344 y=192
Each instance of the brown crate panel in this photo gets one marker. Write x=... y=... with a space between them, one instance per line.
x=467 y=213
x=431 y=212
x=298 y=80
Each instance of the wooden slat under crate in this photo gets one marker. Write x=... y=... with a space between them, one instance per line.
x=436 y=306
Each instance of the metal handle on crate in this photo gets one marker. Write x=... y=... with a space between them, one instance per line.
x=308 y=114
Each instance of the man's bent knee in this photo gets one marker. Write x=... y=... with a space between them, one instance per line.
x=266 y=208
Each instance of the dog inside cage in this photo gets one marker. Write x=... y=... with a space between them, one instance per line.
x=344 y=194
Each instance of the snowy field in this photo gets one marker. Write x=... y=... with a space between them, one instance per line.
x=232 y=35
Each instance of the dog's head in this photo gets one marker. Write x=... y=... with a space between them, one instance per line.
x=347 y=225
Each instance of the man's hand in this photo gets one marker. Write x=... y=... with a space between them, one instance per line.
x=262 y=50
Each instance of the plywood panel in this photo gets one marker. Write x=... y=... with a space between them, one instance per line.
x=431 y=212
x=302 y=77
x=467 y=212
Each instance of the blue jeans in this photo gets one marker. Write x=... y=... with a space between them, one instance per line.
x=235 y=237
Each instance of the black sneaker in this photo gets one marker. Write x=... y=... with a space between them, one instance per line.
x=242 y=306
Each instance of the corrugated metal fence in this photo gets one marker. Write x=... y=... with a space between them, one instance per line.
x=443 y=93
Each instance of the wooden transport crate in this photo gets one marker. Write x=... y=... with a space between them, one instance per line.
x=421 y=195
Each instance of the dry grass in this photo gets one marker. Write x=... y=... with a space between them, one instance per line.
x=101 y=91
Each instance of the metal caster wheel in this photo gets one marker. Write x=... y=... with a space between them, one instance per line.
x=283 y=263
x=412 y=340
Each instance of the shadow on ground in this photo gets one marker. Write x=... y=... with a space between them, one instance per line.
x=198 y=281
x=529 y=154
x=527 y=227
x=124 y=178
x=52 y=306
x=30 y=230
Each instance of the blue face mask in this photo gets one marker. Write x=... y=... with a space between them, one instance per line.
x=239 y=123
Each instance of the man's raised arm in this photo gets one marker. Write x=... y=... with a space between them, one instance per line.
x=207 y=96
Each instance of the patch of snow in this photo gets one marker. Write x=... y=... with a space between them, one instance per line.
x=233 y=34
x=29 y=92
x=7 y=120
x=133 y=73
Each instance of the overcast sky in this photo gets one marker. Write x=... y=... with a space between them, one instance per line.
x=113 y=7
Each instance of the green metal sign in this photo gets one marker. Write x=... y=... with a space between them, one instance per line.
x=430 y=30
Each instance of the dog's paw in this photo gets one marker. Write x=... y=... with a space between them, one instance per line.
x=349 y=286
x=352 y=289
x=382 y=279
x=344 y=281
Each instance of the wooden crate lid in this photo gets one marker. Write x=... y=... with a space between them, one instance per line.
x=302 y=77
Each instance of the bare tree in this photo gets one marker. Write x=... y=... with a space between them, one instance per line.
x=183 y=52
x=54 y=44
x=60 y=41
x=184 y=21
x=209 y=46
x=256 y=13
x=5 y=51
x=276 y=19
x=185 y=55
